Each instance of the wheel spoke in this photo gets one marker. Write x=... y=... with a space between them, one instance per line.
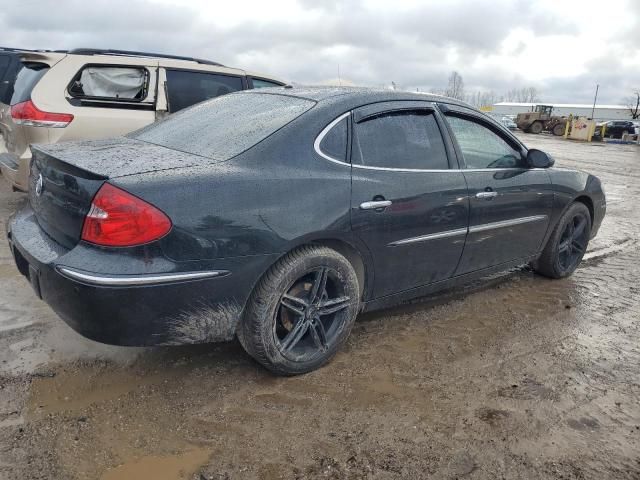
x=295 y=304
x=333 y=305
x=579 y=229
x=319 y=285
x=564 y=246
x=295 y=335
x=318 y=333
x=577 y=247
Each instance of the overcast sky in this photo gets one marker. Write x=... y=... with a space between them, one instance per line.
x=564 y=48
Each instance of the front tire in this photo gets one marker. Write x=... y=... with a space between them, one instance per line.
x=301 y=311
x=567 y=244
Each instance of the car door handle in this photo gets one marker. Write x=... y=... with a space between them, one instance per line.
x=375 y=205
x=486 y=195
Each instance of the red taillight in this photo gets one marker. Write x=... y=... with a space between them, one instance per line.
x=119 y=219
x=26 y=113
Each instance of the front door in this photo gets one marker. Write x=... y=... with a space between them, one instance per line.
x=408 y=205
x=510 y=203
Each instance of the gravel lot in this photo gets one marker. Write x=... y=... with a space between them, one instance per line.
x=514 y=377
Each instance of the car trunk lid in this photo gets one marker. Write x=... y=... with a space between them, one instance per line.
x=65 y=177
x=60 y=195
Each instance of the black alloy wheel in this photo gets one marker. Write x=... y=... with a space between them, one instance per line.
x=573 y=242
x=301 y=311
x=567 y=244
x=311 y=314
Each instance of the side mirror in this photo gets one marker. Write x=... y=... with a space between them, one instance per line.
x=538 y=159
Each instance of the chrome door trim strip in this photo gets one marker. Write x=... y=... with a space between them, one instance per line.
x=320 y=137
x=506 y=223
x=463 y=231
x=136 y=280
x=432 y=236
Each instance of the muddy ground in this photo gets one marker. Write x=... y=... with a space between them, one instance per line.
x=515 y=377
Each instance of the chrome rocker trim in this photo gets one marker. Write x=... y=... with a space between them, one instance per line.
x=137 y=280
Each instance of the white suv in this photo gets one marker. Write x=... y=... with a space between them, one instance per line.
x=54 y=96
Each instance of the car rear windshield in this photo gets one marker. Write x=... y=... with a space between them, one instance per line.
x=27 y=78
x=225 y=126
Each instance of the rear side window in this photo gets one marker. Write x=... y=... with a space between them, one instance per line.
x=481 y=147
x=186 y=88
x=26 y=80
x=111 y=83
x=334 y=143
x=407 y=139
x=260 y=83
x=226 y=126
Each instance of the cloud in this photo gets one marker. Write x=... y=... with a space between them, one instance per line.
x=494 y=44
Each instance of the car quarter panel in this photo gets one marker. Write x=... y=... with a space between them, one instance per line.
x=263 y=201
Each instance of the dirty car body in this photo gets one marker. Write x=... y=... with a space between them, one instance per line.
x=293 y=167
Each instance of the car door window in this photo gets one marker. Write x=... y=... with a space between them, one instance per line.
x=400 y=139
x=260 y=83
x=186 y=88
x=110 y=83
x=481 y=147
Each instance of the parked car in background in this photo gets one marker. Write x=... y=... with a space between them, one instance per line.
x=309 y=206
x=509 y=123
x=615 y=129
x=55 y=96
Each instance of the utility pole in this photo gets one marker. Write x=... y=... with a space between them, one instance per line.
x=594 y=101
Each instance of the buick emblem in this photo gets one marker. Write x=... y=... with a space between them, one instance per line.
x=39 y=185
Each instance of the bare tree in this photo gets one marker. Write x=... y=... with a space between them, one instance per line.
x=633 y=104
x=483 y=99
x=455 y=89
x=522 y=95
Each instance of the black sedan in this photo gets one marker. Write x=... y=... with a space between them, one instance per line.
x=617 y=129
x=278 y=215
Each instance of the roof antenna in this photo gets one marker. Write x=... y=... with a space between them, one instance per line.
x=339 y=78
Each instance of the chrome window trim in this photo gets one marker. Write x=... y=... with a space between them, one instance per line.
x=463 y=231
x=506 y=223
x=134 y=280
x=323 y=133
x=325 y=130
x=432 y=236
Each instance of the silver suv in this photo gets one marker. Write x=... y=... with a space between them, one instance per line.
x=54 y=96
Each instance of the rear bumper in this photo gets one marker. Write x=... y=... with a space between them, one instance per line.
x=178 y=306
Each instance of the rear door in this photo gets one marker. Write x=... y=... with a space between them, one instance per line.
x=408 y=205
x=510 y=203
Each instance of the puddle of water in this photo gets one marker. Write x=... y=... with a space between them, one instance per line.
x=75 y=390
x=155 y=467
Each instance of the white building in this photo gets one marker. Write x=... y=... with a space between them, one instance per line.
x=601 y=113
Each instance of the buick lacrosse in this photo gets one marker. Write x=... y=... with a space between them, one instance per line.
x=278 y=215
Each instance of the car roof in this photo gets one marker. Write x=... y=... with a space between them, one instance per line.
x=103 y=55
x=366 y=94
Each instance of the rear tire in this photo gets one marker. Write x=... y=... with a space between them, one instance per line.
x=566 y=246
x=536 y=127
x=301 y=311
